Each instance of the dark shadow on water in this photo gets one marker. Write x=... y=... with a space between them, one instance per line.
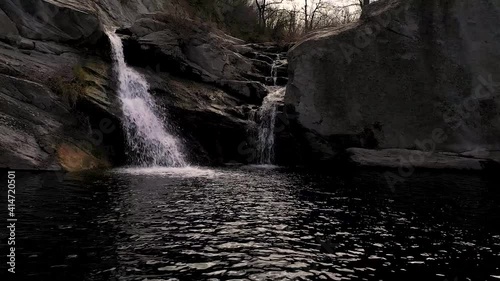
x=256 y=223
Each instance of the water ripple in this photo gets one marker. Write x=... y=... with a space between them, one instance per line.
x=258 y=224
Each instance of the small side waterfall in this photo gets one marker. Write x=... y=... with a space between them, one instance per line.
x=267 y=117
x=277 y=63
x=274 y=69
x=147 y=132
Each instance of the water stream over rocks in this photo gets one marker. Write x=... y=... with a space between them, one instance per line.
x=150 y=138
x=266 y=130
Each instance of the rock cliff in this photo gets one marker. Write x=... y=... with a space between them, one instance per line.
x=410 y=74
x=58 y=105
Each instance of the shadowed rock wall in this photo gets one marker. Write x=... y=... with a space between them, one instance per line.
x=411 y=74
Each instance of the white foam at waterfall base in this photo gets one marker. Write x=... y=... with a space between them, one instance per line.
x=146 y=130
x=184 y=172
x=267 y=117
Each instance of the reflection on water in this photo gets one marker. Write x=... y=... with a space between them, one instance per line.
x=256 y=223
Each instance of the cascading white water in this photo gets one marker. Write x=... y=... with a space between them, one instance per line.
x=267 y=117
x=274 y=69
x=147 y=133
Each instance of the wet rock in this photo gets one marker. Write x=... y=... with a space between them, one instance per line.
x=251 y=91
x=73 y=159
x=211 y=121
x=38 y=130
x=59 y=89
x=187 y=48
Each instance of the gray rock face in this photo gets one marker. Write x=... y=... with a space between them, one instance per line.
x=183 y=46
x=74 y=20
x=53 y=96
x=58 y=106
x=212 y=122
x=8 y=29
x=410 y=74
x=47 y=20
x=39 y=131
x=25 y=124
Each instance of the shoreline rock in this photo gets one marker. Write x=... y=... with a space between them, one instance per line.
x=405 y=158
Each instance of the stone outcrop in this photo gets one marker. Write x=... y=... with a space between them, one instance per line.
x=213 y=82
x=55 y=91
x=39 y=131
x=186 y=47
x=58 y=99
x=410 y=75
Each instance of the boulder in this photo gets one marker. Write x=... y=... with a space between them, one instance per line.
x=409 y=74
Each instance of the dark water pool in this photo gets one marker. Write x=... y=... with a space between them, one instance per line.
x=255 y=223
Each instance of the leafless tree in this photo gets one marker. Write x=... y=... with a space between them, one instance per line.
x=364 y=3
x=281 y=20
x=264 y=7
x=317 y=13
x=360 y=3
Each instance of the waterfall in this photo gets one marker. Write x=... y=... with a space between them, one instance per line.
x=149 y=136
x=274 y=69
x=267 y=117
